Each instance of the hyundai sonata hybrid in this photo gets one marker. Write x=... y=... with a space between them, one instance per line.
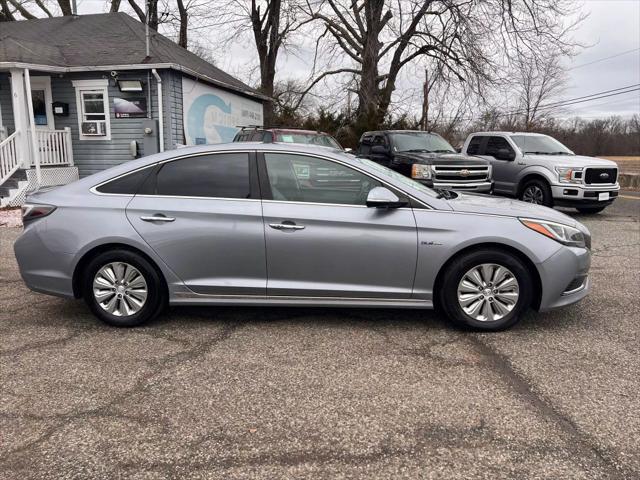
x=275 y=224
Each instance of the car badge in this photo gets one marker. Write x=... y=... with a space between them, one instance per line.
x=604 y=175
x=464 y=172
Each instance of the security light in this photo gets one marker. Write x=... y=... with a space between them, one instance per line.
x=130 y=85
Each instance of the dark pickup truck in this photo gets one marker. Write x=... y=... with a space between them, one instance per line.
x=427 y=158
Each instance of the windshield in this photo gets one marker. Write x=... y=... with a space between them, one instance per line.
x=398 y=177
x=540 y=145
x=307 y=139
x=420 y=142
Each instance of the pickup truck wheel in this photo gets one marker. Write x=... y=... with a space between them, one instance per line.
x=486 y=289
x=538 y=192
x=590 y=209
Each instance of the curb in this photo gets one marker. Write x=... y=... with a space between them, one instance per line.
x=629 y=181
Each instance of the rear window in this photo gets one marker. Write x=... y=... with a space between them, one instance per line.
x=474 y=146
x=307 y=139
x=127 y=184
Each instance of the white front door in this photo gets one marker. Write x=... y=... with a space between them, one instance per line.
x=42 y=103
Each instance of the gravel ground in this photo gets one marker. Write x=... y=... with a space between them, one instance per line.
x=326 y=393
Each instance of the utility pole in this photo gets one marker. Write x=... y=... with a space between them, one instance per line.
x=425 y=102
x=146 y=24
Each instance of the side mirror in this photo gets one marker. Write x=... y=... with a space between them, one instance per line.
x=379 y=150
x=505 y=154
x=381 y=197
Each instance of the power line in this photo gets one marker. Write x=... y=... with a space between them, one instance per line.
x=626 y=52
x=571 y=101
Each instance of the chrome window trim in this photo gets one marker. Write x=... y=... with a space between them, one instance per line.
x=296 y=202
x=187 y=197
x=162 y=162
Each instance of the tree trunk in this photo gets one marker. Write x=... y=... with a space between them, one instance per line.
x=184 y=23
x=367 y=113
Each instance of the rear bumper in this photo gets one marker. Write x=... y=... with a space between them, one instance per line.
x=583 y=195
x=484 y=187
x=43 y=270
x=564 y=278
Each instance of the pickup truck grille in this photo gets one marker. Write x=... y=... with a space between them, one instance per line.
x=460 y=174
x=601 y=175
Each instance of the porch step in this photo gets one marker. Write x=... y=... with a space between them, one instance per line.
x=13 y=182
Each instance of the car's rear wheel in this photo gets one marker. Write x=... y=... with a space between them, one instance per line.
x=486 y=290
x=123 y=289
x=538 y=192
x=590 y=209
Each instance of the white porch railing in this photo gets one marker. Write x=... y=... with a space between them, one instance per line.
x=9 y=161
x=54 y=147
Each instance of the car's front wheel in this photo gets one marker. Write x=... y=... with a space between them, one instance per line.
x=486 y=289
x=123 y=289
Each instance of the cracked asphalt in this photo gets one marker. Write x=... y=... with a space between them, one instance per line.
x=326 y=393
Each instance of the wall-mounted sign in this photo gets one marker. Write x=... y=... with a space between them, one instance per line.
x=135 y=107
x=212 y=115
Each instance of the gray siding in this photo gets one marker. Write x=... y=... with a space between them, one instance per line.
x=5 y=102
x=92 y=156
x=172 y=99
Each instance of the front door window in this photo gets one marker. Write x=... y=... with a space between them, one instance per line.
x=39 y=107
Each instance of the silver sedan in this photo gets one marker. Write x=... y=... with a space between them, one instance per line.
x=274 y=224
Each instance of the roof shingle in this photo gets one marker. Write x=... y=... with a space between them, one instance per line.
x=102 y=40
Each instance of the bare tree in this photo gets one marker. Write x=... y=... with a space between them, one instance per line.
x=379 y=38
x=538 y=80
x=11 y=10
x=271 y=24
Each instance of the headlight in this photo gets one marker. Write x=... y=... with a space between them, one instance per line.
x=560 y=233
x=422 y=172
x=569 y=174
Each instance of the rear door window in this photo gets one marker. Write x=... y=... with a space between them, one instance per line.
x=222 y=175
x=474 y=147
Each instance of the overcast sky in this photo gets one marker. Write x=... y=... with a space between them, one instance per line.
x=612 y=29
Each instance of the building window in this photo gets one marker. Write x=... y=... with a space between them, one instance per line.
x=92 y=100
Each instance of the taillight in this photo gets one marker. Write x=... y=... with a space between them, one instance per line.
x=31 y=211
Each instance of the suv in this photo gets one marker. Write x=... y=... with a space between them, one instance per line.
x=287 y=135
x=538 y=169
x=427 y=158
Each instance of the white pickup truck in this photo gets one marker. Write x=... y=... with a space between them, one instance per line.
x=537 y=168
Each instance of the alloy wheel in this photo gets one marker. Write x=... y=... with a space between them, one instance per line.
x=533 y=194
x=120 y=289
x=488 y=292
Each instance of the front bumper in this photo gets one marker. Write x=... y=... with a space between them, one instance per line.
x=564 y=278
x=570 y=195
x=472 y=187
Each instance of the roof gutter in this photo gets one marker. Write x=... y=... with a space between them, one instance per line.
x=137 y=66
x=160 y=109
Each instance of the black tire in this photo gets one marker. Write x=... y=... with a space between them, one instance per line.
x=156 y=291
x=448 y=291
x=538 y=190
x=590 y=209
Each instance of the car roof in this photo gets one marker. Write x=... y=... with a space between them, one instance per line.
x=284 y=130
x=530 y=134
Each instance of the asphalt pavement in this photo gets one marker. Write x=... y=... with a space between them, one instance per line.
x=327 y=393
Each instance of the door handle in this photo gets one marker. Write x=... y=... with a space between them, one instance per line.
x=286 y=226
x=157 y=218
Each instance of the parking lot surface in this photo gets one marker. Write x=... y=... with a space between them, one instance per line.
x=326 y=393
